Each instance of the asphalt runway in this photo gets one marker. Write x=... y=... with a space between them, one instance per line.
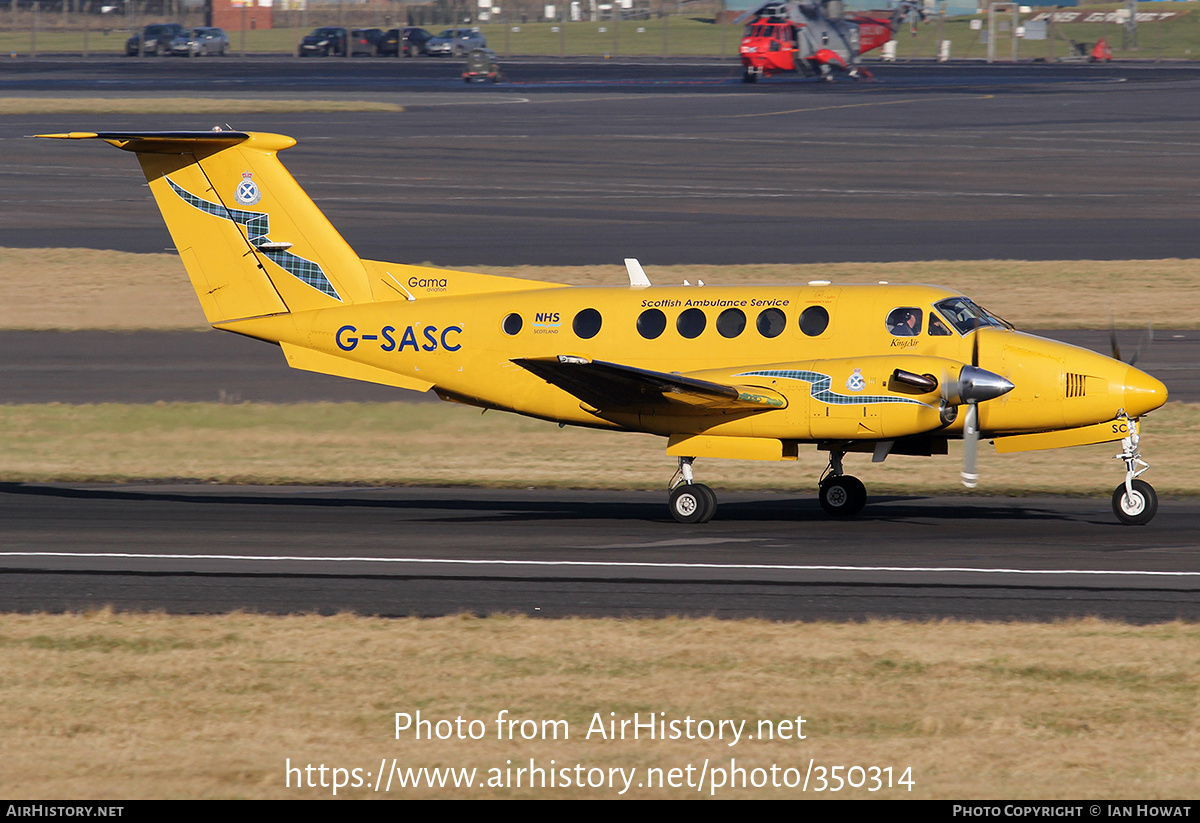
x=579 y=163
x=667 y=161
x=401 y=552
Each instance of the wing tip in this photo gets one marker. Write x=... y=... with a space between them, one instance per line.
x=70 y=135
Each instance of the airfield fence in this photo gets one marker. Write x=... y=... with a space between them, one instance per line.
x=654 y=28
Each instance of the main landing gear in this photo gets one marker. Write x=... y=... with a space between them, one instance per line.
x=840 y=494
x=1134 y=502
x=691 y=502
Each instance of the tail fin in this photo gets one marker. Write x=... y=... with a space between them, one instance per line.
x=253 y=242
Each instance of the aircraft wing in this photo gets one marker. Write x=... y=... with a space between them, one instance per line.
x=614 y=387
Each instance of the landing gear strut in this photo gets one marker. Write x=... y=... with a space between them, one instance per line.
x=840 y=494
x=1134 y=502
x=691 y=502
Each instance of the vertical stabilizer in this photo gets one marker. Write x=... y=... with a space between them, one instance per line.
x=253 y=242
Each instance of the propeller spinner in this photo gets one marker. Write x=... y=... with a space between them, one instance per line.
x=973 y=386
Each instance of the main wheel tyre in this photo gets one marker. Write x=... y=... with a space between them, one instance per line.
x=749 y=75
x=1138 y=509
x=693 y=503
x=843 y=496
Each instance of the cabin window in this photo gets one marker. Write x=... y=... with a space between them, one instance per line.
x=771 y=322
x=937 y=327
x=587 y=324
x=905 y=321
x=814 y=320
x=651 y=323
x=691 y=323
x=731 y=322
x=512 y=324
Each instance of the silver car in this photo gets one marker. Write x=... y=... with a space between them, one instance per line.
x=453 y=42
x=204 y=40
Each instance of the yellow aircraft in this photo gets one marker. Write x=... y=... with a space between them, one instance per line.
x=741 y=372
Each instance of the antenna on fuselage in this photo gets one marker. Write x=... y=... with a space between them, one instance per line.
x=637 y=277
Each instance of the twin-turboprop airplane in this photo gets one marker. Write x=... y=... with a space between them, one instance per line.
x=741 y=372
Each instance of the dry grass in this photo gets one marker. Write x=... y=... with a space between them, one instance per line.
x=88 y=289
x=91 y=289
x=182 y=105
x=444 y=444
x=126 y=706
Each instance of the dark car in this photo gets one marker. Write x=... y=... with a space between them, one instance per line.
x=324 y=42
x=153 y=39
x=204 y=40
x=366 y=41
x=414 y=42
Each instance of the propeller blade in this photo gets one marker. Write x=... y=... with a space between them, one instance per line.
x=1146 y=341
x=970 y=476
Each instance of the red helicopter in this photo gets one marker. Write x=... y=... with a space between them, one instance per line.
x=815 y=38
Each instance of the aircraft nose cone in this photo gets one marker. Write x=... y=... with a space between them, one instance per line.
x=1143 y=393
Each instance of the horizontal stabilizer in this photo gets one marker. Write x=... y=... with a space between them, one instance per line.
x=312 y=360
x=159 y=142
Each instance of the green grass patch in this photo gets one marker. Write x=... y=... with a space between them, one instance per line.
x=1175 y=39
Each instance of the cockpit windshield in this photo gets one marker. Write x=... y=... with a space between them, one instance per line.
x=966 y=316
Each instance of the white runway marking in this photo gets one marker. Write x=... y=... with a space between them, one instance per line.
x=417 y=561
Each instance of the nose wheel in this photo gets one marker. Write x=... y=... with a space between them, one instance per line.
x=691 y=502
x=1134 y=502
x=1135 y=506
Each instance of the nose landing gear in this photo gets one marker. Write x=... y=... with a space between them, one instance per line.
x=1134 y=502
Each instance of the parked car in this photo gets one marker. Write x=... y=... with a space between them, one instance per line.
x=204 y=40
x=323 y=42
x=153 y=39
x=454 y=42
x=413 y=44
x=366 y=41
